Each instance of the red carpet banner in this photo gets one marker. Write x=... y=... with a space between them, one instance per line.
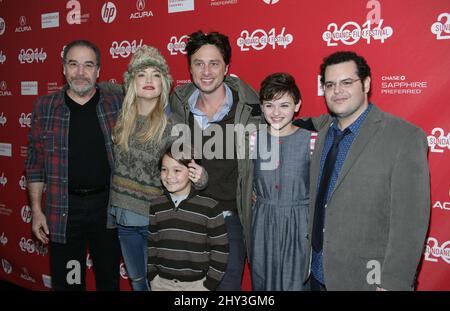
x=406 y=43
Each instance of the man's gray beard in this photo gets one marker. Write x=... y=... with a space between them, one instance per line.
x=83 y=92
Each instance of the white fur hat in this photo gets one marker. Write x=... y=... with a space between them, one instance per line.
x=144 y=57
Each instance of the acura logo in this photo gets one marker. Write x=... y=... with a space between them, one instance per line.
x=140 y=5
x=22 y=21
x=3 y=85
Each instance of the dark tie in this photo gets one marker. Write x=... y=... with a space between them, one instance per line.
x=321 y=200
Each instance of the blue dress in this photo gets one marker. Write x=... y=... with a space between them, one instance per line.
x=279 y=216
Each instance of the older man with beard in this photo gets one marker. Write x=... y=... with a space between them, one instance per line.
x=70 y=155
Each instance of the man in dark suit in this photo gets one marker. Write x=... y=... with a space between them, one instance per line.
x=370 y=194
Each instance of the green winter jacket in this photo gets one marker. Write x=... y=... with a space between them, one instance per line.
x=247 y=112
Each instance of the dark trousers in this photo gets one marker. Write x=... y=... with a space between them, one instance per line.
x=86 y=227
x=233 y=274
x=316 y=286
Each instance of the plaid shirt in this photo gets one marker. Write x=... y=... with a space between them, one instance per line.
x=48 y=151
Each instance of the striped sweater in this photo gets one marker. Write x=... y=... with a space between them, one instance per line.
x=187 y=242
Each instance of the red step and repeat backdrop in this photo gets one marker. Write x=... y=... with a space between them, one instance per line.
x=406 y=42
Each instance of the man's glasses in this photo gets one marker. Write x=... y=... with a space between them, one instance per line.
x=343 y=84
x=74 y=65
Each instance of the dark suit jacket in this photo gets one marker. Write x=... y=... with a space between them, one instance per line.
x=377 y=216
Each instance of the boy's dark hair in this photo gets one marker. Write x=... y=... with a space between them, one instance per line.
x=276 y=85
x=83 y=43
x=362 y=68
x=199 y=39
x=183 y=155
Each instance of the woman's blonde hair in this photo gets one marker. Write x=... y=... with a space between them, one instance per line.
x=156 y=120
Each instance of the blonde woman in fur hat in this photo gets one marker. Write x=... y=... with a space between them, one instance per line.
x=141 y=134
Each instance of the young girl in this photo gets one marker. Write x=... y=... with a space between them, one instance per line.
x=141 y=133
x=279 y=216
x=188 y=247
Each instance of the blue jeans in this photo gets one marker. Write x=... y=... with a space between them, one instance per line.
x=133 y=241
x=233 y=274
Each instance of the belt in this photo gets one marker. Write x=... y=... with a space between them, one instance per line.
x=82 y=192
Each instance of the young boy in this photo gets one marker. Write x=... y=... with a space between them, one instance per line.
x=188 y=243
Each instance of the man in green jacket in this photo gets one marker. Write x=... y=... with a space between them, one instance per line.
x=214 y=103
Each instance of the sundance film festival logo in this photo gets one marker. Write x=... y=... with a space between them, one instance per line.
x=6 y=266
x=3 y=239
x=29 y=55
x=30 y=246
x=434 y=251
x=27 y=245
x=74 y=16
x=2 y=26
x=25 y=213
x=23 y=25
x=259 y=39
x=438 y=141
x=141 y=13
x=351 y=32
x=109 y=12
x=3 y=119
x=3 y=179
x=124 y=48
x=4 y=89
x=177 y=45
x=2 y=57
x=23 y=183
x=25 y=119
x=441 y=28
